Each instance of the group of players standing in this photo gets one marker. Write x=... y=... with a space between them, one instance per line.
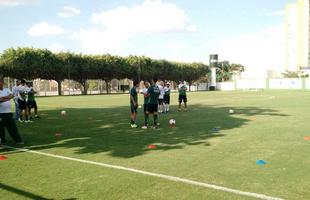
x=156 y=100
x=24 y=99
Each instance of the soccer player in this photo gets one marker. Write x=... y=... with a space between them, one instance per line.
x=161 y=97
x=146 y=102
x=22 y=104
x=167 y=97
x=134 y=104
x=152 y=108
x=182 y=96
x=6 y=117
x=31 y=102
x=15 y=93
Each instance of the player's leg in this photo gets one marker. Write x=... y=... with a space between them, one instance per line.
x=12 y=128
x=180 y=102
x=17 y=110
x=27 y=113
x=21 y=111
x=133 y=116
x=155 y=116
x=147 y=111
x=164 y=104
x=159 y=104
x=2 y=130
x=35 y=109
x=185 y=102
x=168 y=103
x=29 y=106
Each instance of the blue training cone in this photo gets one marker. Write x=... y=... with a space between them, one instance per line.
x=261 y=162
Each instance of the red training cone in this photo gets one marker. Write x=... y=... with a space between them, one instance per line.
x=152 y=147
x=3 y=157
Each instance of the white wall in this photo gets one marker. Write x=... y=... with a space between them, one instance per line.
x=308 y=83
x=251 y=84
x=226 y=86
x=285 y=84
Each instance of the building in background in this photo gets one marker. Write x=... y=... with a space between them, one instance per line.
x=297 y=35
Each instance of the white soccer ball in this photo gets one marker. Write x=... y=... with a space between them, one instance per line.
x=63 y=113
x=172 y=122
x=231 y=111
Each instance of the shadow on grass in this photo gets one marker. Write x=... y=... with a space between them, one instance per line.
x=107 y=130
x=22 y=193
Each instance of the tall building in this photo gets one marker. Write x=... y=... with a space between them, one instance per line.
x=297 y=35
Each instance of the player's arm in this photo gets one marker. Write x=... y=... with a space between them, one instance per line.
x=132 y=99
x=8 y=97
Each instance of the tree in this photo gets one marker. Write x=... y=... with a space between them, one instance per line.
x=294 y=74
x=226 y=71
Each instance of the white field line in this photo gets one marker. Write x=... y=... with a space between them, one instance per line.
x=167 y=177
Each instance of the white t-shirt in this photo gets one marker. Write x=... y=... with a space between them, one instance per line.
x=15 y=92
x=5 y=107
x=23 y=90
x=182 y=86
x=144 y=91
x=161 y=92
x=167 y=90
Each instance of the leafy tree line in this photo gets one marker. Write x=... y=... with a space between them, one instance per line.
x=30 y=63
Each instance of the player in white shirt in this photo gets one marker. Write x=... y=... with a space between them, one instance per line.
x=167 y=97
x=22 y=102
x=182 y=95
x=15 y=93
x=161 y=97
x=146 y=103
x=6 y=117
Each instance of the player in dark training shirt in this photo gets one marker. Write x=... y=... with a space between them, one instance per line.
x=152 y=108
x=134 y=104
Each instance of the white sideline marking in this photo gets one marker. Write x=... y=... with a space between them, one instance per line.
x=171 y=178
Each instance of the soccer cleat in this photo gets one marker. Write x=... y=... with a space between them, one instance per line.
x=155 y=127
x=37 y=117
x=134 y=126
x=21 y=121
x=28 y=121
x=144 y=127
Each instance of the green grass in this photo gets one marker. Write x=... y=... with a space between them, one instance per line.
x=268 y=125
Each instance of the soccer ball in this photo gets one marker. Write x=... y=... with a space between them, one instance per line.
x=63 y=113
x=172 y=123
x=231 y=111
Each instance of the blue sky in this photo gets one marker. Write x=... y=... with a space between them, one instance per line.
x=172 y=29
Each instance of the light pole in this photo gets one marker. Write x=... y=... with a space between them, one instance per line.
x=213 y=66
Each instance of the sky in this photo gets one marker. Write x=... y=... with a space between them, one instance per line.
x=249 y=32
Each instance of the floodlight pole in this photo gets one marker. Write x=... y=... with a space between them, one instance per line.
x=213 y=66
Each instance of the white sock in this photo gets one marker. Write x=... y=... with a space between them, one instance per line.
x=167 y=107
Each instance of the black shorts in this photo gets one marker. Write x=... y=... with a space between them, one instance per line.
x=167 y=99
x=133 y=108
x=32 y=104
x=182 y=98
x=22 y=105
x=152 y=108
x=160 y=101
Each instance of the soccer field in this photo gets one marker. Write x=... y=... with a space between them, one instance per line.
x=267 y=125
